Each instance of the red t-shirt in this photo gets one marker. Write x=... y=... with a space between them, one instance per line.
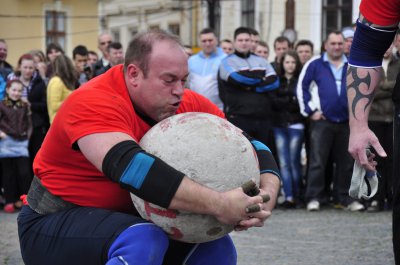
x=381 y=12
x=101 y=105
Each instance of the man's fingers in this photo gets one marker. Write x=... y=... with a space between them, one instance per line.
x=265 y=197
x=379 y=149
x=362 y=158
x=253 y=208
x=250 y=188
x=256 y=207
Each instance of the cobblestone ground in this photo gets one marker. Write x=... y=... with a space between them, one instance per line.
x=296 y=237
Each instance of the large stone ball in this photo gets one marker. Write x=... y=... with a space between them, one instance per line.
x=210 y=151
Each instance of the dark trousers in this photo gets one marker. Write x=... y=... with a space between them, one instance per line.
x=84 y=235
x=384 y=132
x=396 y=184
x=80 y=235
x=17 y=178
x=329 y=138
x=260 y=129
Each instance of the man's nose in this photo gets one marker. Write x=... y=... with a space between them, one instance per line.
x=179 y=89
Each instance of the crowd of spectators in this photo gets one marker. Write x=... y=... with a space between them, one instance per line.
x=295 y=103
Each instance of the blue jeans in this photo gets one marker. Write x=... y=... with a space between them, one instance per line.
x=288 y=144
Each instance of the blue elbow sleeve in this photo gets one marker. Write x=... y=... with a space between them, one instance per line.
x=369 y=45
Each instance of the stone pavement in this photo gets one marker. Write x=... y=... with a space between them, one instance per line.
x=295 y=237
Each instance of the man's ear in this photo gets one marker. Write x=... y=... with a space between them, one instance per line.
x=133 y=71
x=132 y=74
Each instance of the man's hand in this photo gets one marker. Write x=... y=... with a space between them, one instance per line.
x=233 y=209
x=360 y=140
x=316 y=116
x=269 y=186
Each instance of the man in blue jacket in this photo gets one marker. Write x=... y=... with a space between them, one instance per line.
x=322 y=97
x=203 y=67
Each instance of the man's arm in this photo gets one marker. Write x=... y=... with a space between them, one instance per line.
x=370 y=43
x=228 y=207
x=361 y=84
x=308 y=108
x=257 y=81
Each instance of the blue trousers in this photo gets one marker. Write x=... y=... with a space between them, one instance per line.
x=288 y=144
x=86 y=235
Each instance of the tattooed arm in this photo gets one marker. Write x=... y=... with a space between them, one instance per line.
x=373 y=36
x=361 y=83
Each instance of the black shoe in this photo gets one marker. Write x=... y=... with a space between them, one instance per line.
x=288 y=205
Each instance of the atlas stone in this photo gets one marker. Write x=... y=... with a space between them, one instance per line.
x=210 y=151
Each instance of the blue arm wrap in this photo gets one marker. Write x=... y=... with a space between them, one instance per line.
x=266 y=160
x=369 y=45
x=143 y=174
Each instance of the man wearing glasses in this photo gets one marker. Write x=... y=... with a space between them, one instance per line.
x=104 y=40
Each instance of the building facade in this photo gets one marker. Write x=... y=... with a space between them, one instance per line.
x=27 y=25
x=32 y=24
x=301 y=19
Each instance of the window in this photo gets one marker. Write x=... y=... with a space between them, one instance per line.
x=55 y=28
x=116 y=35
x=214 y=16
x=174 y=29
x=248 y=13
x=154 y=27
x=336 y=14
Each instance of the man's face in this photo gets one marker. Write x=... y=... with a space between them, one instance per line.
x=334 y=46
x=242 y=43
x=262 y=51
x=103 y=41
x=116 y=56
x=304 y=52
x=208 y=43
x=280 y=49
x=3 y=51
x=254 y=39
x=347 y=45
x=227 y=47
x=80 y=61
x=159 y=94
x=92 y=59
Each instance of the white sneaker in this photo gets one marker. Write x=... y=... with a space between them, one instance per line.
x=313 y=206
x=355 y=207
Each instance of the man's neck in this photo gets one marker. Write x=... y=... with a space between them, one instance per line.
x=208 y=54
x=242 y=54
x=335 y=61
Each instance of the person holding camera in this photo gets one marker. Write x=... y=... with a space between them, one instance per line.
x=115 y=56
x=80 y=56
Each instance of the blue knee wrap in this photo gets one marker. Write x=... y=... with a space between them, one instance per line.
x=139 y=244
x=220 y=251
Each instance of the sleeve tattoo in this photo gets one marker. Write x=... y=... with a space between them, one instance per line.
x=359 y=95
